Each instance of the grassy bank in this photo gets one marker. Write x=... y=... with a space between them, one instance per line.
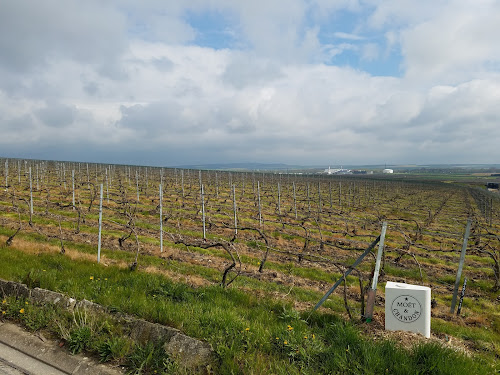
x=250 y=334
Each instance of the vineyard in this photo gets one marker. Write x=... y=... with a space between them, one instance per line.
x=278 y=237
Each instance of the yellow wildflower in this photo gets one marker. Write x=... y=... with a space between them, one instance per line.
x=26 y=302
x=4 y=302
x=277 y=338
x=247 y=329
x=305 y=337
x=91 y=277
x=3 y=313
x=285 y=342
x=21 y=311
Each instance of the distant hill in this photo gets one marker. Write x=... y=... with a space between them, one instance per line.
x=243 y=166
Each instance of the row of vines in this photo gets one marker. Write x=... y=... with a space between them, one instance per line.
x=251 y=218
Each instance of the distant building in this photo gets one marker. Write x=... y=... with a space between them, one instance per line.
x=337 y=171
x=387 y=170
x=493 y=186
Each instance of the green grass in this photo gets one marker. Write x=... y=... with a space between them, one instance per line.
x=412 y=273
x=249 y=334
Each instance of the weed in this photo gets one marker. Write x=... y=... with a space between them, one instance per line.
x=36 y=318
x=150 y=358
x=115 y=348
x=79 y=339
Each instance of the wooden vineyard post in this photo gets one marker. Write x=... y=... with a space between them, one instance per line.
x=100 y=228
x=161 y=218
x=319 y=198
x=182 y=182
x=340 y=194
x=31 y=195
x=216 y=185
x=107 y=186
x=7 y=175
x=137 y=184
x=64 y=176
x=235 y=211
x=37 y=183
x=294 y=200
x=331 y=201
x=370 y=303
x=88 y=176
x=279 y=199
x=253 y=183
x=460 y=266
x=462 y=294
x=491 y=211
x=260 y=209
x=203 y=212
x=73 y=182
x=308 y=198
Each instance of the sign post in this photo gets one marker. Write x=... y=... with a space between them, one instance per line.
x=460 y=266
x=370 y=303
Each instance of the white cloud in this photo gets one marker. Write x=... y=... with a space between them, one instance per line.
x=33 y=33
x=370 y=51
x=348 y=36
x=455 y=45
x=128 y=84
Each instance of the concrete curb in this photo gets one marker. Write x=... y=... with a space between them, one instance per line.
x=190 y=353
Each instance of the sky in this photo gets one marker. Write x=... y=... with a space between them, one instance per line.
x=303 y=82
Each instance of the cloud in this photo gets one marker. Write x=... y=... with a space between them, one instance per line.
x=245 y=69
x=455 y=45
x=370 y=51
x=128 y=83
x=348 y=36
x=32 y=34
x=56 y=115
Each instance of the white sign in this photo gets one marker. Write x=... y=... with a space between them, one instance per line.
x=408 y=308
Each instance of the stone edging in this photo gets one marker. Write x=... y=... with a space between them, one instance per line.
x=187 y=351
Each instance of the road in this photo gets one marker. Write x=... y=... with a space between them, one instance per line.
x=15 y=362
x=24 y=353
x=5 y=369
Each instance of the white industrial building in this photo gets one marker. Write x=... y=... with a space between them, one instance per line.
x=337 y=171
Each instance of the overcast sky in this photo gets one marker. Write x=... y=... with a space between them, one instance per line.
x=310 y=82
